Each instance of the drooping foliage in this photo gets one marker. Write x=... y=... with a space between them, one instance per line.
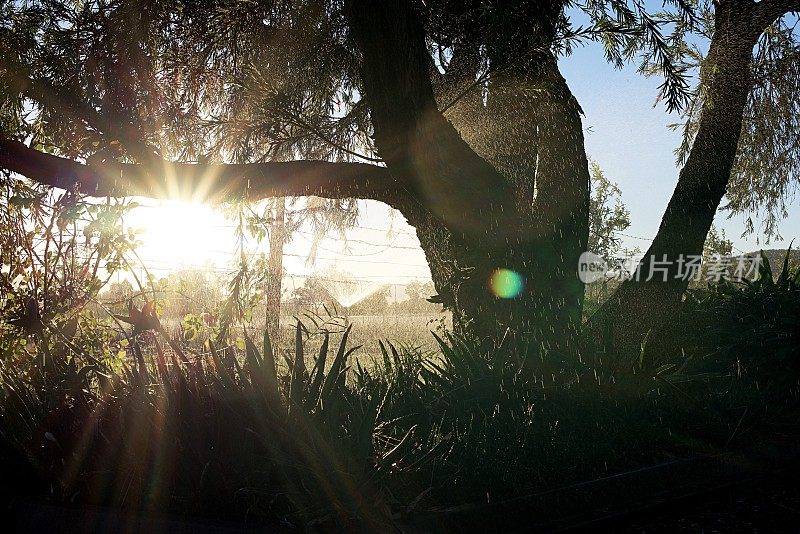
x=672 y=43
x=243 y=81
x=767 y=165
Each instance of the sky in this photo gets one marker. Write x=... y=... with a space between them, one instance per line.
x=381 y=249
x=626 y=134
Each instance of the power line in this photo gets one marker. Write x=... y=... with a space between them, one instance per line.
x=384 y=247
x=633 y=236
x=354 y=279
x=362 y=241
x=354 y=227
x=166 y=262
x=326 y=258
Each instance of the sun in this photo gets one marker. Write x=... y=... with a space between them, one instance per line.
x=175 y=234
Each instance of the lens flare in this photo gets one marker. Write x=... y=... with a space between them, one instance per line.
x=506 y=284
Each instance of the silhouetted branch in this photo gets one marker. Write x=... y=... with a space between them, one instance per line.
x=211 y=182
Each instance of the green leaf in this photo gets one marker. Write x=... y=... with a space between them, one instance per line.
x=332 y=379
x=296 y=383
x=318 y=372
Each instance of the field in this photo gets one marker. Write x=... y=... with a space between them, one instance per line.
x=368 y=330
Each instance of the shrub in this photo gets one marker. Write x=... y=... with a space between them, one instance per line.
x=747 y=332
x=207 y=436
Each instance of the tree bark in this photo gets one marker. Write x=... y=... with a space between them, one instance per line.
x=545 y=158
x=651 y=298
x=213 y=183
x=277 y=238
x=468 y=233
x=417 y=143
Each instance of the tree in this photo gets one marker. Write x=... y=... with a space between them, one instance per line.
x=118 y=295
x=191 y=291
x=717 y=244
x=418 y=294
x=322 y=215
x=277 y=238
x=607 y=215
x=312 y=294
x=716 y=247
x=155 y=89
x=454 y=113
x=726 y=82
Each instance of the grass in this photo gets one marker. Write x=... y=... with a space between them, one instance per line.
x=312 y=434
x=370 y=330
x=221 y=438
x=411 y=330
x=209 y=437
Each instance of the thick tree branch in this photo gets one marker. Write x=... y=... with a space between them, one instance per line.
x=411 y=135
x=768 y=11
x=652 y=297
x=205 y=182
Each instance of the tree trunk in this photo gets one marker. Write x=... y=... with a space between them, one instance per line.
x=543 y=157
x=277 y=238
x=645 y=302
x=471 y=218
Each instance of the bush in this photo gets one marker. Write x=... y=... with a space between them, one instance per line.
x=207 y=436
x=747 y=334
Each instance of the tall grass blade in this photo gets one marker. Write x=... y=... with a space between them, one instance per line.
x=765 y=271
x=221 y=370
x=319 y=371
x=783 y=278
x=296 y=382
x=336 y=368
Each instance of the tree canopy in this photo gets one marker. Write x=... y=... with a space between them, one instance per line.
x=455 y=113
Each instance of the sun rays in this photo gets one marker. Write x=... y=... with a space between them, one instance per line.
x=182 y=233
